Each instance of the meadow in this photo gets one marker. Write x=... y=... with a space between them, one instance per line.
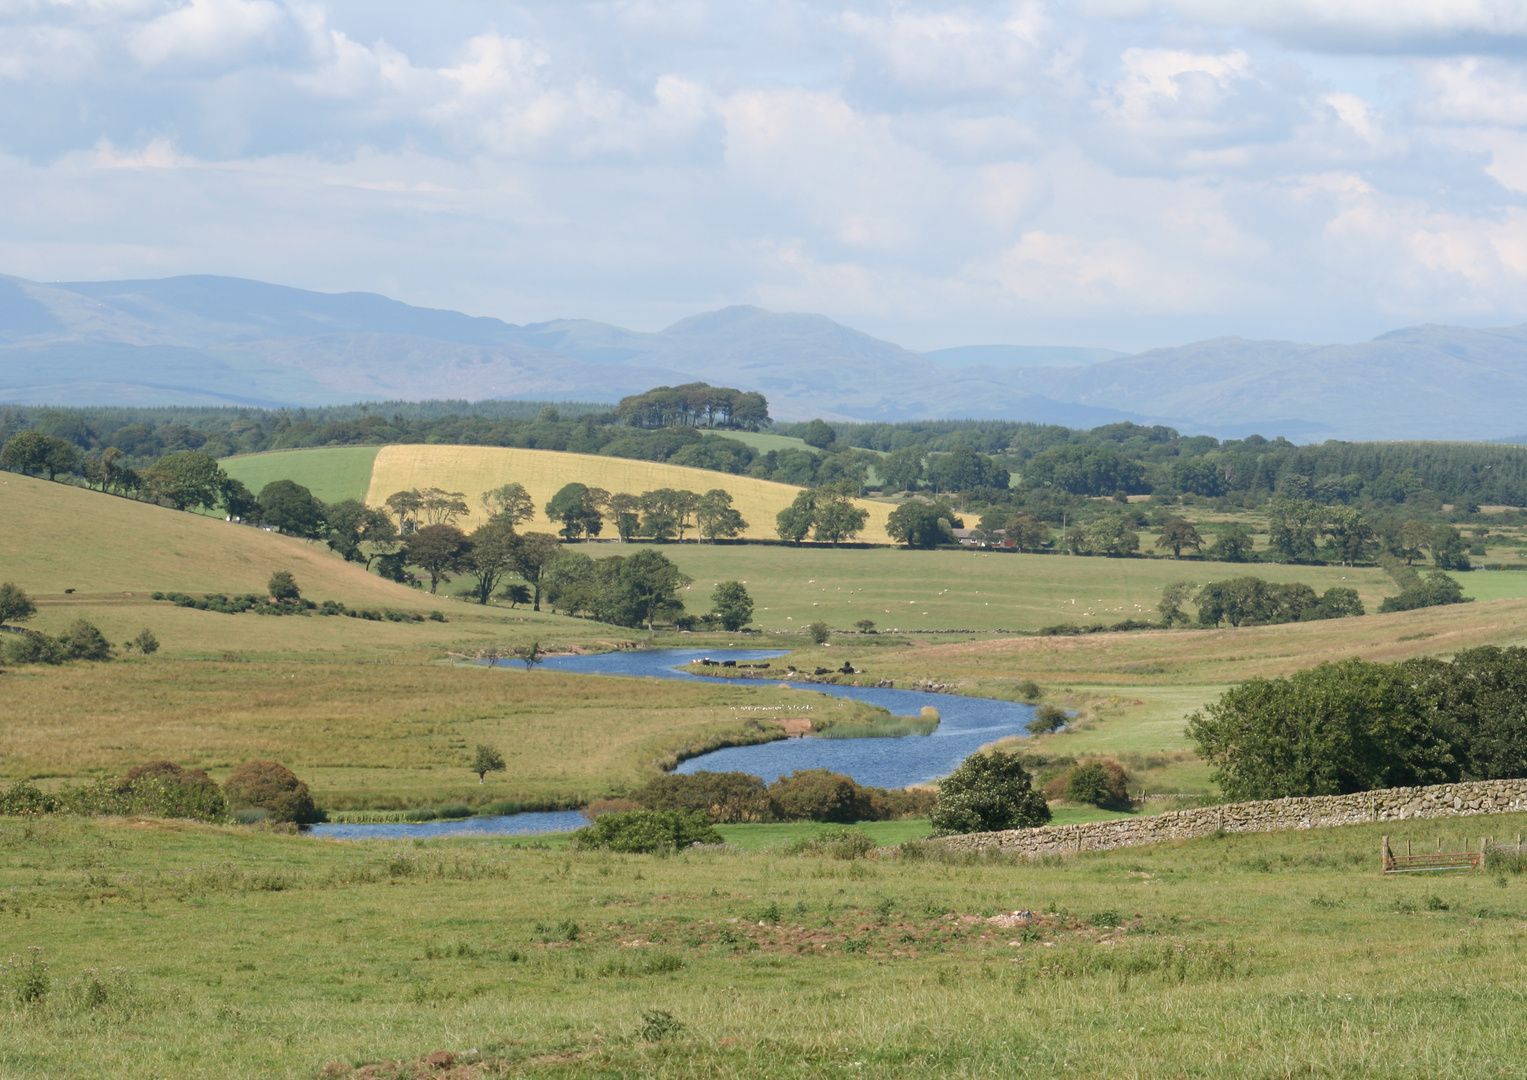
x=333 y=473
x=144 y=948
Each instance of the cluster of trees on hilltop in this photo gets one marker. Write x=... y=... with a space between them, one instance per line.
x=695 y=404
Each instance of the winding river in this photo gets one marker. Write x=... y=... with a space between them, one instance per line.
x=966 y=725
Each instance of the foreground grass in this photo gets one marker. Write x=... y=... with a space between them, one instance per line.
x=184 y=951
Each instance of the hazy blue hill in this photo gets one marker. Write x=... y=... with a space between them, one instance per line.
x=205 y=339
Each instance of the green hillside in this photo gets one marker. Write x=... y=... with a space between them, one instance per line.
x=331 y=473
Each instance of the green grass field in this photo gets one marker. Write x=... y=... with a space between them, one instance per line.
x=172 y=950
x=761 y=440
x=331 y=473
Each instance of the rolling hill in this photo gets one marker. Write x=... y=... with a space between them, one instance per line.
x=201 y=340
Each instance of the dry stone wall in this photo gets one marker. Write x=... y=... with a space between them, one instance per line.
x=1315 y=812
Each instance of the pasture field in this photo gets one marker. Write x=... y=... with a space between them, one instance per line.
x=332 y=473
x=972 y=589
x=761 y=440
x=170 y=949
x=475 y=469
x=381 y=734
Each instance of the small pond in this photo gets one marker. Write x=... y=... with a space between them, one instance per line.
x=966 y=725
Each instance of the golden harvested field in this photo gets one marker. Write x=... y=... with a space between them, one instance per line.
x=368 y=733
x=475 y=469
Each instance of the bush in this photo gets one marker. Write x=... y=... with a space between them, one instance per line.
x=83 y=641
x=270 y=786
x=646 y=831
x=1047 y=718
x=31 y=647
x=145 y=642
x=165 y=789
x=819 y=795
x=819 y=632
x=729 y=796
x=986 y=793
x=839 y=843
x=282 y=586
x=1102 y=783
x=1029 y=690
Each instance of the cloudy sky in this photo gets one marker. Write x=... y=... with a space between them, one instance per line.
x=1124 y=173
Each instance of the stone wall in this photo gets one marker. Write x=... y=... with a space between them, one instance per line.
x=1320 y=811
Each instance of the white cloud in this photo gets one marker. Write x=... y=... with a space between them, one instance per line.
x=1359 y=25
x=1471 y=90
x=202 y=31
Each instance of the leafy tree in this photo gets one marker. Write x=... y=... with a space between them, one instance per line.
x=84 y=641
x=238 y=502
x=1352 y=537
x=359 y=533
x=921 y=524
x=15 y=605
x=646 y=587
x=1479 y=701
x=1236 y=600
x=1449 y=552
x=439 y=507
x=1292 y=526
x=529 y=655
x=625 y=514
x=1341 y=603
x=534 y=553
x=283 y=586
x=1178 y=533
x=1047 y=719
x=866 y=626
x=795 y=521
x=819 y=795
x=493 y=554
x=1085 y=470
x=438 y=550
x=1329 y=730
x=486 y=759
x=729 y=796
x=572 y=581
x=819 y=434
x=1438 y=589
x=145 y=642
x=715 y=517
x=1415 y=537
x=667 y=512
x=516 y=594
x=819 y=632
x=647 y=831
x=406 y=506
x=733 y=606
x=185 y=480
x=1110 y=534
x=509 y=502
x=1233 y=545
x=32 y=451
x=1026 y=532
x=575 y=506
x=901 y=470
x=987 y=793
x=272 y=787
x=836 y=516
x=962 y=469
x=1102 y=783
x=1173 y=596
x=291 y=508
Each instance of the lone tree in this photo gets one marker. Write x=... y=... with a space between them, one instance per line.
x=282 y=586
x=986 y=793
x=530 y=655
x=145 y=642
x=510 y=503
x=921 y=524
x=795 y=521
x=15 y=605
x=1178 y=533
x=734 y=607
x=819 y=632
x=819 y=434
x=485 y=760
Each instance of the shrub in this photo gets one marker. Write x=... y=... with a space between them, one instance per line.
x=729 y=796
x=165 y=789
x=1047 y=718
x=270 y=786
x=840 y=843
x=15 y=604
x=83 y=641
x=1102 y=783
x=986 y=793
x=1029 y=690
x=819 y=632
x=145 y=642
x=645 y=831
x=819 y=795
x=31 y=647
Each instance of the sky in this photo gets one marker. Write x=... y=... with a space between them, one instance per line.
x=1119 y=173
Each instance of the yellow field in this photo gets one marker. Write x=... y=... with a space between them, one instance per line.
x=475 y=469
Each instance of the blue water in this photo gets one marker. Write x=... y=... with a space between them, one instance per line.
x=512 y=824
x=966 y=725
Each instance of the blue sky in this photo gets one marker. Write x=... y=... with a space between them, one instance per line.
x=1125 y=173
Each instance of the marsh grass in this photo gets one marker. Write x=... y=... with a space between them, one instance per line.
x=1240 y=956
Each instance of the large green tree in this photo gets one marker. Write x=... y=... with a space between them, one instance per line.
x=645 y=589
x=493 y=553
x=359 y=533
x=795 y=521
x=577 y=507
x=836 y=516
x=715 y=517
x=988 y=792
x=509 y=502
x=288 y=506
x=733 y=606
x=1178 y=533
x=15 y=605
x=186 y=480
x=920 y=524
x=1293 y=525
x=438 y=550
x=534 y=553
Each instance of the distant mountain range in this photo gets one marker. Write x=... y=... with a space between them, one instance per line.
x=228 y=341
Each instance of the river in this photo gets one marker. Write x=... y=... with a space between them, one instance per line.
x=966 y=724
